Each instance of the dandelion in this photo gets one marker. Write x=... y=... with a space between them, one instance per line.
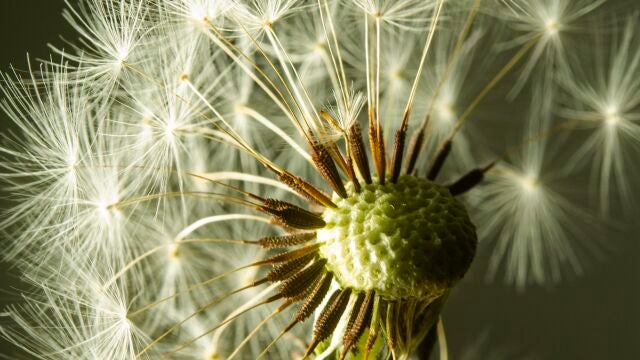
x=608 y=104
x=76 y=318
x=271 y=179
x=110 y=33
x=545 y=26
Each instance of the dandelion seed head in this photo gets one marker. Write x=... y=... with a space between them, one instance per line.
x=177 y=173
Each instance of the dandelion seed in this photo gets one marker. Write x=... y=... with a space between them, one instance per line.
x=110 y=33
x=548 y=23
x=607 y=103
x=204 y=181
x=76 y=318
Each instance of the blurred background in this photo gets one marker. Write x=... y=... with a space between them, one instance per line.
x=596 y=316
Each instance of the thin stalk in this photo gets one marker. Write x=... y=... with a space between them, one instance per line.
x=398 y=146
x=504 y=71
x=276 y=130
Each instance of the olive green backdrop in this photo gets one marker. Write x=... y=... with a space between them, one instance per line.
x=596 y=316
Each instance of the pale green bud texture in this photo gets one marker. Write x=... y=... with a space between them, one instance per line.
x=406 y=239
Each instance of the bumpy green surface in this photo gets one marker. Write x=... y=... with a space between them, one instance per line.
x=408 y=239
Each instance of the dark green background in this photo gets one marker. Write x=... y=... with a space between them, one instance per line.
x=593 y=317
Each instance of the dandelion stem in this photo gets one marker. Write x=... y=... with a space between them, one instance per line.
x=442 y=340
